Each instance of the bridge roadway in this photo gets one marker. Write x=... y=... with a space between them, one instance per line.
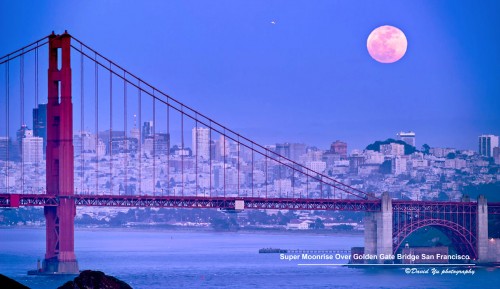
x=17 y=200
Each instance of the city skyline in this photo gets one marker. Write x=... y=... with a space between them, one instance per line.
x=409 y=137
x=265 y=70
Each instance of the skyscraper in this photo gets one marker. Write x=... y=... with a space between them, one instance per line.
x=40 y=123
x=222 y=147
x=147 y=129
x=407 y=137
x=32 y=149
x=162 y=143
x=134 y=132
x=487 y=143
x=201 y=142
x=21 y=133
x=290 y=150
x=283 y=149
x=157 y=144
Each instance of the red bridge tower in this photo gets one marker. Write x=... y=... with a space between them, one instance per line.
x=60 y=253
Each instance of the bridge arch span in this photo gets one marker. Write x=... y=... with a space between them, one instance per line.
x=463 y=239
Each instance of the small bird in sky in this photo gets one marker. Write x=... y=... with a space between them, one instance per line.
x=273 y=22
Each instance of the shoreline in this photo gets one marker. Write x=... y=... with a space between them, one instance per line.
x=198 y=230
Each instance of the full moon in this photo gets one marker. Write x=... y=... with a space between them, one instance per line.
x=387 y=44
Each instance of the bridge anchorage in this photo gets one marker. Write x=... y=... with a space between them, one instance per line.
x=387 y=222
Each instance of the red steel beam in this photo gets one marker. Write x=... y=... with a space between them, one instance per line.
x=250 y=203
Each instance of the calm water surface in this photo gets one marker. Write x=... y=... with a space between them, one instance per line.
x=181 y=259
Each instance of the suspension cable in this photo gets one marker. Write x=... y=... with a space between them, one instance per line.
x=23 y=124
x=154 y=143
x=225 y=160
x=140 y=137
x=7 y=121
x=252 y=169
x=110 y=130
x=196 y=156
x=168 y=152
x=125 y=131
x=238 y=165
x=37 y=116
x=210 y=158
x=82 y=120
x=96 y=124
x=182 y=153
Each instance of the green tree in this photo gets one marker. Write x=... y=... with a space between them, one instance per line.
x=426 y=149
x=318 y=224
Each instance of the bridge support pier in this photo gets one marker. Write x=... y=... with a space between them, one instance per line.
x=483 y=255
x=378 y=231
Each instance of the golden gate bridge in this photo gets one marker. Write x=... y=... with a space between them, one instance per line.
x=238 y=174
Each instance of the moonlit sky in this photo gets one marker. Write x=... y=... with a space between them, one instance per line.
x=306 y=78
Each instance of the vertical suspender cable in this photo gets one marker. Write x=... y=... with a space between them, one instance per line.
x=196 y=155
x=252 y=168
x=7 y=121
x=37 y=168
x=182 y=151
x=224 y=165
x=210 y=158
x=21 y=94
x=82 y=119
x=168 y=152
x=279 y=174
x=307 y=185
x=110 y=129
x=140 y=136
x=125 y=129
x=154 y=141
x=265 y=183
x=96 y=124
x=238 y=164
x=321 y=187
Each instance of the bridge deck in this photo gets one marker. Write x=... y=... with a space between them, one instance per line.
x=16 y=200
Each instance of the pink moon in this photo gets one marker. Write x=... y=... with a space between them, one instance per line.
x=387 y=44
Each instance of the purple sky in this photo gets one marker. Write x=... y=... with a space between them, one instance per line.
x=306 y=78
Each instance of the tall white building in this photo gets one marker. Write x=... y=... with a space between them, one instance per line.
x=201 y=142
x=399 y=165
x=32 y=149
x=407 y=137
x=487 y=143
x=222 y=147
